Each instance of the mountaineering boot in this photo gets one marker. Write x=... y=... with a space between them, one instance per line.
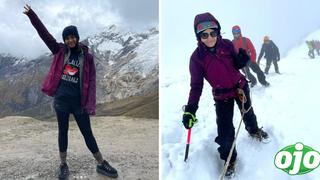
x=63 y=171
x=106 y=169
x=231 y=170
x=261 y=136
x=266 y=84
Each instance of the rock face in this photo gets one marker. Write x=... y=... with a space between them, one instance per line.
x=126 y=63
x=29 y=148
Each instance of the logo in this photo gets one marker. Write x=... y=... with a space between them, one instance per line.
x=70 y=70
x=297 y=159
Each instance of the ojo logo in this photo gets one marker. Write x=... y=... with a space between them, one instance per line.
x=297 y=159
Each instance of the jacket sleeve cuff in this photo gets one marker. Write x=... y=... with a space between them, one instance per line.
x=192 y=108
x=91 y=112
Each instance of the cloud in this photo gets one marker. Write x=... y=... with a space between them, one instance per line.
x=19 y=38
x=140 y=12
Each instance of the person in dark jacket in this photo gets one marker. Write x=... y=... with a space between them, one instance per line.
x=243 y=42
x=271 y=53
x=216 y=60
x=71 y=81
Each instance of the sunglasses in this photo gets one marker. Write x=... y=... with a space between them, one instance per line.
x=236 y=31
x=205 y=35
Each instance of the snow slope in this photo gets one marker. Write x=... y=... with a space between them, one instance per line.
x=288 y=111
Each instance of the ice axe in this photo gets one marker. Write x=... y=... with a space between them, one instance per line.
x=187 y=145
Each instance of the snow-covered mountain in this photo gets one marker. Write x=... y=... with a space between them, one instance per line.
x=126 y=63
x=287 y=110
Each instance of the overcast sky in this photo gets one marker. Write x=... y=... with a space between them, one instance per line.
x=18 y=37
x=287 y=22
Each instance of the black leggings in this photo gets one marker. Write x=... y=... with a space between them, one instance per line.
x=226 y=130
x=63 y=108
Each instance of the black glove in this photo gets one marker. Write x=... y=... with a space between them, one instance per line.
x=241 y=59
x=278 y=58
x=189 y=116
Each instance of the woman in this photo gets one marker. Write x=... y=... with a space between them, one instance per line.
x=72 y=82
x=216 y=61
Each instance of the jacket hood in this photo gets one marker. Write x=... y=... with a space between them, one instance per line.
x=200 y=18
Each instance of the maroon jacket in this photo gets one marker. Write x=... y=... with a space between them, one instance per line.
x=216 y=67
x=51 y=81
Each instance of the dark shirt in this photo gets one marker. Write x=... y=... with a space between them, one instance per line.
x=69 y=86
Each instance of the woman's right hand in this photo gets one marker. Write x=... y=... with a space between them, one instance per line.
x=27 y=8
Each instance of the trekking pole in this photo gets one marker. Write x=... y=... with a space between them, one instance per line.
x=187 y=146
x=243 y=100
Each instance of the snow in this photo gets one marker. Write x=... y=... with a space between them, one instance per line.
x=108 y=45
x=111 y=62
x=113 y=45
x=21 y=60
x=17 y=60
x=147 y=55
x=287 y=110
x=146 y=58
x=142 y=59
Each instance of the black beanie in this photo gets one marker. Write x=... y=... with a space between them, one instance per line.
x=70 y=30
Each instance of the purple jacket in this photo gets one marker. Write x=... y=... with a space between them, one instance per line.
x=60 y=51
x=216 y=67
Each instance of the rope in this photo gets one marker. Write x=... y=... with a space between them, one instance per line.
x=243 y=100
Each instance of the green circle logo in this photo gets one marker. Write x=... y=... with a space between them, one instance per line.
x=297 y=159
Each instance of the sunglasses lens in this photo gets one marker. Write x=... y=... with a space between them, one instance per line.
x=236 y=31
x=213 y=34
x=204 y=35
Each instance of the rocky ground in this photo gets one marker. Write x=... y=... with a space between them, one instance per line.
x=29 y=148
